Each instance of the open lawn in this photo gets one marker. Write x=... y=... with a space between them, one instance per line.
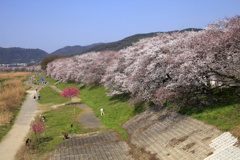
x=116 y=109
x=50 y=96
x=57 y=121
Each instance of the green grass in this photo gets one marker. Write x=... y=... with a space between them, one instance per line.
x=224 y=118
x=48 y=95
x=63 y=85
x=224 y=112
x=116 y=109
x=57 y=121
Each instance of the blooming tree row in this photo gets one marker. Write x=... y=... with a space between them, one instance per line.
x=162 y=67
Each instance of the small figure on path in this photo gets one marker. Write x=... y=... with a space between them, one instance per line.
x=28 y=141
x=34 y=97
x=65 y=135
x=39 y=97
x=102 y=112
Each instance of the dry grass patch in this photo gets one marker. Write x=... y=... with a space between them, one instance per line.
x=11 y=75
x=11 y=96
x=5 y=117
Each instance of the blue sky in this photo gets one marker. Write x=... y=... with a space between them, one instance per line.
x=53 y=24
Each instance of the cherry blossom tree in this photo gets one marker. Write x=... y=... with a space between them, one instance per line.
x=69 y=92
x=163 y=67
x=37 y=127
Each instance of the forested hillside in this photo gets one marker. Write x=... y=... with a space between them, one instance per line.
x=128 y=41
x=71 y=50
x=163 y=67
x=20 y=55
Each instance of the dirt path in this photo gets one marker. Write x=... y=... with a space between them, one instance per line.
x=88 y=119
x=16 y=136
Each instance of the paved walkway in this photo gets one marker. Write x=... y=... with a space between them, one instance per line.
x=16 y=136
x=88 y=119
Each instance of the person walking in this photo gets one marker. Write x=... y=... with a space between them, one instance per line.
x=102 y=112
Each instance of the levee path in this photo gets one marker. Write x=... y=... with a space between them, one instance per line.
x=16 y=136
x=87 y=117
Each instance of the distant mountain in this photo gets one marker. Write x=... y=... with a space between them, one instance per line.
x=71 y=50
x=118 y=45
x=128 y=41
x=20 y=55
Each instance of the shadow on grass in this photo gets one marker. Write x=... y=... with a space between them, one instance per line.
x=73 y=103
x=212 y=100
x=92 y=86
x=139 y=107
x=44 y=139
x=121 y=97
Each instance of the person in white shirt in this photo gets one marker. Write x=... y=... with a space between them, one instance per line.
x=102 y=112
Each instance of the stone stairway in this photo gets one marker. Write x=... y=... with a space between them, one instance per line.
x=163 y=134
x=171 y=136
x=92 y=146
x=225 y=148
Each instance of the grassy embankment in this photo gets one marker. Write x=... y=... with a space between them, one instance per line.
x=224 y=113
x=58 y=120
x=116 y=108
x=12 y=93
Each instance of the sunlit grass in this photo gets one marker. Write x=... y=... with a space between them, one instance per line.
x=225 y=118
x=57 y=121
x=224 y=113
x=50 y=96
x=116 y=111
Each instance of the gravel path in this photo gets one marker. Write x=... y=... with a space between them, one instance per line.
x=17 y=135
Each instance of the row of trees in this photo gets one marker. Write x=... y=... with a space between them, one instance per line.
x=163 y=67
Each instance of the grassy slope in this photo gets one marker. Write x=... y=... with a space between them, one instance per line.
x=57 y=121
x=224 y=113
x=48 y=95
x=116 y=109
x=225 y=118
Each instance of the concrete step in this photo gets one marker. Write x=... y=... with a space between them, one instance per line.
x=109 y=150
x=96 y=145
x=89 y=139
x=175 y=137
